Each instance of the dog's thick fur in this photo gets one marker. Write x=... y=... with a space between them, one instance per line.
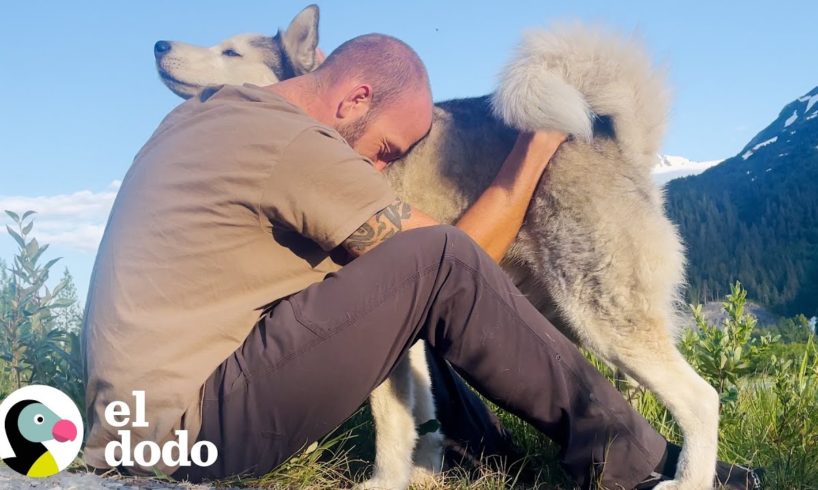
x=596 y=253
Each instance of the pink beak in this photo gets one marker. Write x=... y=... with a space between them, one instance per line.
x=64 y=430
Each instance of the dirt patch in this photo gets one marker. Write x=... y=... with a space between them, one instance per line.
x=9 y=479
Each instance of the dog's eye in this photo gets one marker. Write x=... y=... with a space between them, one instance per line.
x=230 y=52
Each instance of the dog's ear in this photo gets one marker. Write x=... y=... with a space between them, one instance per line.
x=300 y=40
x=319 y=57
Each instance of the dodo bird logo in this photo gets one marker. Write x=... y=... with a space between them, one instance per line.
x=42 y=431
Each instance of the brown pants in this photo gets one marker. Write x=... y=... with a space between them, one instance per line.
x=317 y=355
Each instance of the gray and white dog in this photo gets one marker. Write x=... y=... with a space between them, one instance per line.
x=596 y=254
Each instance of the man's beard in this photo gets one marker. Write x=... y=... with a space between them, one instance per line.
x=353 y=131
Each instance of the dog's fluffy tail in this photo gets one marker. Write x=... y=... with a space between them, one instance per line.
x=563 y=78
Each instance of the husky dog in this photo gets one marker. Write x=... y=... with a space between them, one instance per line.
x=596 y=253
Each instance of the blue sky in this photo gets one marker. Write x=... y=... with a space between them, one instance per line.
x=81 y=94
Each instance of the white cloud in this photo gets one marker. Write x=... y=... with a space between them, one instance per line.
x=75 y=221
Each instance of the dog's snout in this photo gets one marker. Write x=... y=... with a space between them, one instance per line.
x=161 y=48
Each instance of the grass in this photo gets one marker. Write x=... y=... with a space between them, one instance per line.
x=772 y=424
x=344 y=458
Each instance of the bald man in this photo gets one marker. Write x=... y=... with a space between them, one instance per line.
x=215 y=291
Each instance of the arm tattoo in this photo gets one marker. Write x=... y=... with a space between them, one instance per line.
x=378 y=228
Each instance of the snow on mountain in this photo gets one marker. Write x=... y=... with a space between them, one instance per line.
x=784 y=132
x=671 y=167
x=810 y=99
x=791 y=119
x=747 y=154
x=778 y=139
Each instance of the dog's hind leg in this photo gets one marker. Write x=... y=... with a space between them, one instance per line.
x=392 y=405
x=694 y=404
x=428 y=456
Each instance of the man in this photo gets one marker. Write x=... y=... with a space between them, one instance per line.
x=214 y=290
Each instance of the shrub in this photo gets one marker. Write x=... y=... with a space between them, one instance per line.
x=39 y=338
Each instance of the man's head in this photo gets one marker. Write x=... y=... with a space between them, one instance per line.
x=375 y=91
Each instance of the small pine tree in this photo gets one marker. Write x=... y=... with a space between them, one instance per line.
x=68 y=318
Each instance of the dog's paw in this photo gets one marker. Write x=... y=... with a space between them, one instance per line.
x=423 y=478
x=429 y=456
x=376 y=483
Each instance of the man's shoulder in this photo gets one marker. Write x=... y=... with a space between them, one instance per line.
x=317 y=142
x=280 y=115
x=244 y=107
x=230 y=115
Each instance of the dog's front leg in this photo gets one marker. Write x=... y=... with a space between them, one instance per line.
x=428 y=457
x=395 y=430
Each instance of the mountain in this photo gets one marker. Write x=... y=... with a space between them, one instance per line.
x=671 y=167
x=754 y=217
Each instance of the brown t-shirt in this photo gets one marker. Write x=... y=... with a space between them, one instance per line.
x=234 y=202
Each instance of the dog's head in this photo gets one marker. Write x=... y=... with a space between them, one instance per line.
x=247 y=58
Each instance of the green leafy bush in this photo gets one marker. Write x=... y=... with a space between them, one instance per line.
x=769 y=401
x=39 y=327
x=724 y=355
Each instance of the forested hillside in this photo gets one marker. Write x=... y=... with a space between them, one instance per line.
x=754 y=217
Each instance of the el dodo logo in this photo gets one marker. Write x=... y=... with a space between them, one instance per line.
x=149 y=453
x=41 y=431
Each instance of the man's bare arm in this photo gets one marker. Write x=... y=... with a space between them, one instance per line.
x=396 y=217
x=493 y=220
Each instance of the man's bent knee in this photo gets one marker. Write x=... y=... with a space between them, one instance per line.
x=440 y=240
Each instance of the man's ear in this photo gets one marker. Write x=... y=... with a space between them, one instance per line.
x=356 y=103
x=300 y=40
